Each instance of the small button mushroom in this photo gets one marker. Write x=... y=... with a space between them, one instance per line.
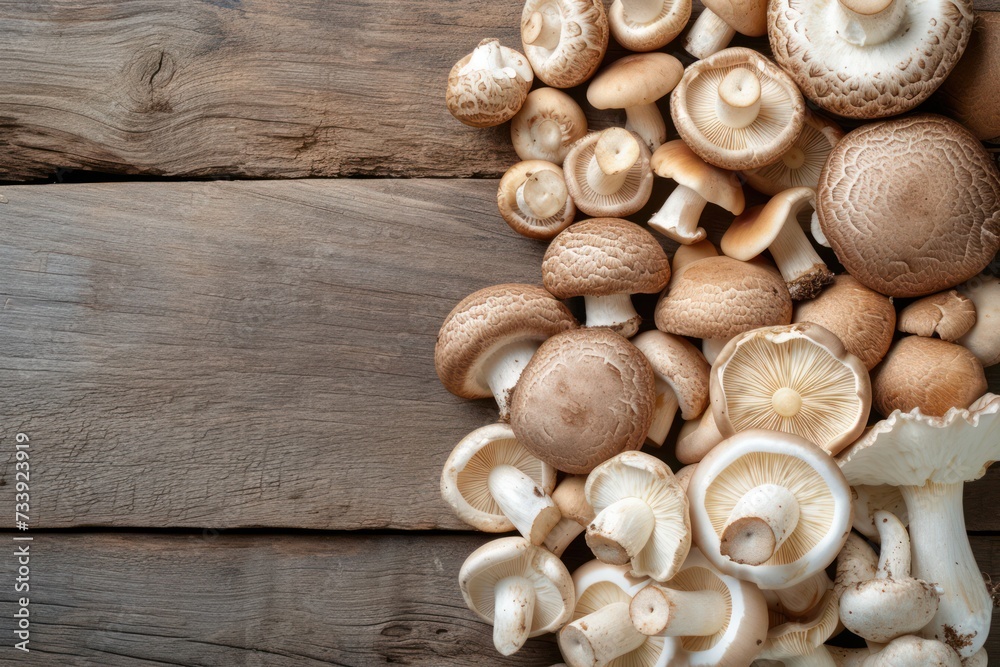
x=547 y=125
x=576 y=513
x=800 y=643
x=523 y=590
x=681 y=380
x=983 y=340
x=947 y=315
x=869 y=499
x=608 y=173
x=697 y=438
x=720 y=21
x=971 y=92
x=565 y=40
x=488 y=86
x=737 y=109
x=646 y=25
x=533 y=200
x=801 y=164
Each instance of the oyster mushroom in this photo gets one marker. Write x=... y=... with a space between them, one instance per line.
x=608 y=173
x=646 y=25
x=720 y=21
x=800 y=643
x=488 y=86
x=533 y=199
x=547 y=125
x=576 y=513
x=983 y=340
x=971 y=93
x=947 y=315
x=564 y=40
x=801 y=164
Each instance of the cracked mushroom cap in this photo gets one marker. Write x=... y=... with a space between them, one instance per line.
x=800 y=638
x=737 y=110
x=801 y=164
x=971 y=92
x=914 y=232
x=617 y=150
x=547 y=125
x=681 y=366
x=488 y=86
x=674 y=160
x=635 y=80
x=565 y=40
x=983 y=340
x=533 y=200
x=648 y=26
x=947 y=315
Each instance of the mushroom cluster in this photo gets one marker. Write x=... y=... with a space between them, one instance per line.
x=819 y=367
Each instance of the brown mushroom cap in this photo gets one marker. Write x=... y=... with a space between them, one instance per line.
x=565 y=40
x=972 y=90
x=626 y=200
x=491 y=90
x=681 y=366
x=929 y=374
x=547 y=125
x=801 y=164
x=674 y=160
x=931 y=219
x=640 y=78
x=585 y=396
x=641 y=34
x=948 y=315
x=747 y=17
x=522 y=221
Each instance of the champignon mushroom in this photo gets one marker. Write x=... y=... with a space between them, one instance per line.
x=918 y=232
x=533 y=200
x=720 y=21
x=802 y=600
x=870 y=499
x=801 y=164
x=495 y=485
x=608 y=173
x=523 y=590
x=565 y=40
x=634 y=83
x=547 y=125
x=488 y=86
x=983 y=340
x=587 y=395
x=737 y=109
x=770 y=508
x=576 y=513
x=948 y=315
x=698 y=183
x=971 y=92
x=800 y=643
x=486 y=340
x=697 y=438
x=930 y=459
x=646 y=25
x=605 y=260
x=906 y=651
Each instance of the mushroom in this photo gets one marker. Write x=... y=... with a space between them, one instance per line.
x=642 y=516
x=523 y=590
x=488 y=86
x=565 y=40
x=533 y=200
x=983 y=340
x=605 y=260
x=687 y=254
x=646 y=25
x=971 y=92
x=587 y=395
x=698 y=183
x=795 y=379
x=862 y=319
x=547 y=125
x=697 y=438
x=681 y=380
x=495 y=485
x=775 y=227
x=575 y=510
x=683 y=476
x=802 y=600
x=917 y=233
x=608 y=174
x=949 y=315
x=486 y=340
x=720 y=21
x=906 y=651
x=926 y=373
x=770 y=508
x=801 y=164
x=930 y=459
x=737 y=109
x=800 y=643
x=869 y=499
x=634 y=83
x=868 y=58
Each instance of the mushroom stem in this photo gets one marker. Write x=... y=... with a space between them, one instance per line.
x=620 y=531
x=503 y=369
x=870 y=22
x=678 y=217
x=521 y=500
x=802 y=269
x=738 y=103
x=894 y=556
x=711 y=347
x=614 y=312
x=615 y=153
x=542 y=195
x=642 y=11
x=668 y=612
x=562 y=535
x=486 y=56
x=542 y=29
x=548 y=135
x=708 y=35
x=663 y=413
x=817 y=230
x=759 y=524
x=514 y=606
x=600 y=637
x=856 y=563
x=647 y=121
x=697 y=438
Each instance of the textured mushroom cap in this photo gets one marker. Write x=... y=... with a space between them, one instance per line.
x=604 y=256
x=542 y=229
x=632 y=195
x=915 y=651
x=755 y=229
x=681 y=365
x=765 y=140
x=748 y=17
x=583 y=39
x=585 y=396
x=674 y=160
x=861 y=318
x=872 y=81
x=488 y=97
x=649 y=36
x=485 y=321
x=790 y=640
x=972 y=90
x=547 y=104
x=719 y=297
x=984 y=337
x=910 y=231
x=801 y=164
x=641 y=78
x=929 y=374
x=948 y=315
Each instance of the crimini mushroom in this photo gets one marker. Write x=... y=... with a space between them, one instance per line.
x=770 y=508
x=930 y=459
x=681 y=379
x=720 y=21
x=868 y=500
x=523 y=590
x=698 y=183
x=646 y=25
x=576 y=513
x=868 y=58
x=697 y=437
x=547 y=125
x=608 y=173
x=533 y=200
x=605 y=260
x=565 y=40
x=933 y=219
x=800 y=643
x=983 y=340
x=862 y=319
x=972 y=90
x=801 y=164
x=587 y=395
x=795 y=379
x=634 y=83
x=737 y=109
x=947 y=315
x=494 y=484
x=488 y=86
x=929 y=374
x=488 y=338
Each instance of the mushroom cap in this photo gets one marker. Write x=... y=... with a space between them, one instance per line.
x=802 y=163
x=542 y=229
x=571 y=499
x=630 y=197
x=799 y=638
x=862 y=319
x=752 y=458
x=465 y=479
x=747 y=17
x=765 y=140
x=927 y=373
x=949 y=315
x=674 y=160
x=912 y=232
x=754 y=230
x=719 y=297
x=486 y=321
x=681 y=365
x=586 y=395
x=910 y=650
x=882 y=609
x=547 y=104
x=984 y=337
x=604 y=256
x=972 y=90
x=583 y=39
x=488 y=97
x=697 y=438
x=828 y=385
x=653 y=34
x=515 y=556
x=871 y=81
x=637 y=79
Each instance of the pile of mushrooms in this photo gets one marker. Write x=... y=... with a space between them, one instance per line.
x=819 y=366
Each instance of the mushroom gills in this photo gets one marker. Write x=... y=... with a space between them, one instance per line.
x=600 y=637
x=659 y=610
x=709 y=34
x=523 y=502
x=679 y=216
x=513 y=610
x=759 y=524
x=620 y=531
x=614 y=312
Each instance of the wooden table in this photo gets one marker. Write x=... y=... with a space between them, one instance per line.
x=236 y=428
